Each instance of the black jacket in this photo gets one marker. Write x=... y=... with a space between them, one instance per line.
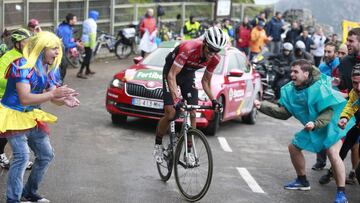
x=345 y=68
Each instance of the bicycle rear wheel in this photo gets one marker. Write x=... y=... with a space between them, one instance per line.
x=193 y=177
x=165 y=168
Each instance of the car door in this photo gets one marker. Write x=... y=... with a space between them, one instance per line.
x=235 y=86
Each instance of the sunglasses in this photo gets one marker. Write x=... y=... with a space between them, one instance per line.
x=212 y=50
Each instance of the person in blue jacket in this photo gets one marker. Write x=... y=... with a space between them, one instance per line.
x=274 y=28
x=65 y=32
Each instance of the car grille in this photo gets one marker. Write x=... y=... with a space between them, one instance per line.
x=140 y=110
x=141 y=91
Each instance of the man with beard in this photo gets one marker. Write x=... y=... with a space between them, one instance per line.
x=311 y=99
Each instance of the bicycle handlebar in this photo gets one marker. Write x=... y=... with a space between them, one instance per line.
x=195 y=107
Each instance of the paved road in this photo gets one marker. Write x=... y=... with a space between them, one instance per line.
x=99 y=162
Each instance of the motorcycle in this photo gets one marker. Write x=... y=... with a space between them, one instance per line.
x=128 y=41
x=267 y=74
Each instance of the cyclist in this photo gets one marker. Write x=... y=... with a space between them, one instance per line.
x=179 y=69
x=19 y=38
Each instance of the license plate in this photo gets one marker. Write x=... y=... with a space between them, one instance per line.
x=148 y=103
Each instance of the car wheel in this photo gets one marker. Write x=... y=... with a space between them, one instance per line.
x=118 y=119
x=215 y=123
x=251 y=117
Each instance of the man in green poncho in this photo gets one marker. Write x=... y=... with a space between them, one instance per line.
x=311 y=99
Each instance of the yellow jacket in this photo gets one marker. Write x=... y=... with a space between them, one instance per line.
x=351 y=107
x=258 y=40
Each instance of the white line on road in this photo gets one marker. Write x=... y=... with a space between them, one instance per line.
x=250 y=180
x=224 y=144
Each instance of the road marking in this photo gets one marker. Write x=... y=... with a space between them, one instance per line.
x=254 y=186
x=224 y=144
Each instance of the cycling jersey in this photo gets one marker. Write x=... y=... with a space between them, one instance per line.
x=187 y=56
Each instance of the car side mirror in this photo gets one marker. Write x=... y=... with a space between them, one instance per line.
x=236 y=73
x=138 y=59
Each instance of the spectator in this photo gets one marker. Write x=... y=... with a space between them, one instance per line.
x=342 y=52
x=293 y=33
x=306 y=39
x=65 y=32
x=301 y=53
x=148 y=32
x=319 y=44
x=243 y=36
x=258 y=18
x=89 y=40
x=191 y=28
x=258 y=39
x=33 y=26
x=178 y=26
x=331 y=61
x=274 y=28
x=229 y=30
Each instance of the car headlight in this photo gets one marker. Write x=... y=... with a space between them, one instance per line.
x=202 y=95
x=117 y=83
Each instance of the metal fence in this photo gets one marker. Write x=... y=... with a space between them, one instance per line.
x=113 y=15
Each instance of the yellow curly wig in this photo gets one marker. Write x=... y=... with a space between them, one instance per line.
x=35 y=46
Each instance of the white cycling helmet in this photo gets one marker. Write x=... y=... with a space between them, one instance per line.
x=215 y=38
x=288 y=46
x=300 y=45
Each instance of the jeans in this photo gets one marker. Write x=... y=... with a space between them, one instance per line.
x=39 y=143
x=275 y=47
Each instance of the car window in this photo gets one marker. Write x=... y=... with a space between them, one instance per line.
x=157 y=57
x=219 y=68
x=233 y=62
x=243 y=62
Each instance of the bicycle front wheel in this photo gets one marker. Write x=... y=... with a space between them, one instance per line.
x=193 y=173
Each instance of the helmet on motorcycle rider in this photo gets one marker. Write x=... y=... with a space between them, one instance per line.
x=287 y=46
x=300 y=45
x=215 y=38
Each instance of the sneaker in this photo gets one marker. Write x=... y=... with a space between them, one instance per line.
x=4 y=161
x=89 y=73
x=82 y=76
x=318 y=166
x=35 y=198
x=191 y=159
x=298 y=185
x=340 y=197
x=351 y=178
x=325 y=179
x=158 y=153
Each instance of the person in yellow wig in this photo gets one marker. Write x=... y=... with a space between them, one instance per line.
x=31 y=82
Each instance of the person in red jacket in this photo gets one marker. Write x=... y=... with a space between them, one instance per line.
x=148 y=23
x=243 y=36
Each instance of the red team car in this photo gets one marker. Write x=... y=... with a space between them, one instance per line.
x=137 y=90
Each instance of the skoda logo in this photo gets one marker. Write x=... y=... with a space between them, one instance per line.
x=150 y=84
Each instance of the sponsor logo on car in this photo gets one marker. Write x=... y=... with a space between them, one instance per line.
x=235 y=94
x=148 y=75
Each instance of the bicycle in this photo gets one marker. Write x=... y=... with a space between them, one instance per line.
x=187 y=160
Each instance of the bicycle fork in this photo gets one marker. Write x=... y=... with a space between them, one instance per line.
x=185 y=129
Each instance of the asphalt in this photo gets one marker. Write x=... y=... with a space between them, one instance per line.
x=96 y=161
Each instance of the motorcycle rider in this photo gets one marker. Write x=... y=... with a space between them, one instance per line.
x=301 y=53
x=282 y=61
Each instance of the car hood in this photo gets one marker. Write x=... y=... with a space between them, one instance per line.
x=151 y=77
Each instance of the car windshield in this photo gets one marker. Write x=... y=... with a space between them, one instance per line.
x=157 y=58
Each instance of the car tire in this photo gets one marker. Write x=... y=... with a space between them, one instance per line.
x=251 y=117
x=214 y=124
x=118 y=119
